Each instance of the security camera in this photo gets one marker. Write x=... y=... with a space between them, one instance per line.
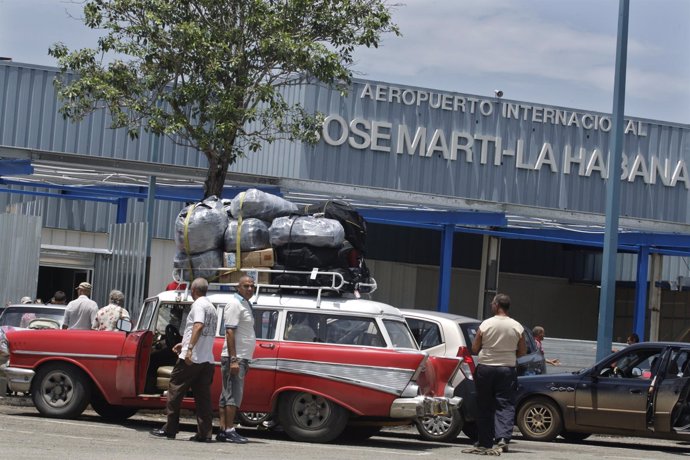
x=498 y=93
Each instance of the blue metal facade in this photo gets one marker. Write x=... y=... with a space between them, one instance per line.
x=418 y=140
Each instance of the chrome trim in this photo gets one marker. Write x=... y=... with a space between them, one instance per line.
x=423 y=406
x=388 y=380
x=18 y=379
x=357 y=365
x=411 y=390
x=67 y=355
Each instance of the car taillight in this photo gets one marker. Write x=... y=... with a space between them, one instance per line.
x=467 y=365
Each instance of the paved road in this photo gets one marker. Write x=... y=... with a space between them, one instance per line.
x=24 y=434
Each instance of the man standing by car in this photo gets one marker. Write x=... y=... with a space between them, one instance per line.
x=499 y=342
x=238 y=350
x=194 y=368
x=80 y=312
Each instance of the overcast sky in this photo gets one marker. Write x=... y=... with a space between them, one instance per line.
x=556 y=52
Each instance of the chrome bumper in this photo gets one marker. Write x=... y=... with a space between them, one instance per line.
x=423 y=406
x=18 y=379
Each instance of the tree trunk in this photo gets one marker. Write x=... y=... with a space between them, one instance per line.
x=215 y=176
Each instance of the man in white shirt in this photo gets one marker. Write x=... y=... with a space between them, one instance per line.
x=80 y=312
x=499 y=342
x=194 y=368
x=238 y=350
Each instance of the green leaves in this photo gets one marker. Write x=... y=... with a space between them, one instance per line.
x=211 y=73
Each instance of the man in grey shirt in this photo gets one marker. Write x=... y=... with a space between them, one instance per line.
x=80 y=312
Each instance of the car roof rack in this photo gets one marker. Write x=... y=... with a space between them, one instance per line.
x=331 y=282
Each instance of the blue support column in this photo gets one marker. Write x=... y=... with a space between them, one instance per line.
x=607 y=299
x=445 y=267
x=121 y=210
x=641 y=291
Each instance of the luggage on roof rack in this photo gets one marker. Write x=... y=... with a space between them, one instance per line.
x=336 y=281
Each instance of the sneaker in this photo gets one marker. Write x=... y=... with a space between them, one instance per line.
x=477 y=450
x=197 y=438
x=231 y=436
x=503 y=444
x=161 y=433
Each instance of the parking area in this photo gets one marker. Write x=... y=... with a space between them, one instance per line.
x=25 y=434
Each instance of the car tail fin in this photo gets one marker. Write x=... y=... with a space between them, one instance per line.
x=467 y=365
x=438 y=376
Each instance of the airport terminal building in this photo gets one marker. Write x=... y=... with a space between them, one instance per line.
x=464 y=196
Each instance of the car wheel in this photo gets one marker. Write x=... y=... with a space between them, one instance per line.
x=539 y=420
x=572 y=436
x=311 y=418
x=110 y=412
x=252 y=418
x=471 y=431
x=60 y=390
x=440 y=428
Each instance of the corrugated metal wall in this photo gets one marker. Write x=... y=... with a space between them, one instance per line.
x=20 y=247
x=125 y=268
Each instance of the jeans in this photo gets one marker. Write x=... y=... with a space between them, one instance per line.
x=496 y=387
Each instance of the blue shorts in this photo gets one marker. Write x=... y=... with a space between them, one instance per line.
x=233 y=385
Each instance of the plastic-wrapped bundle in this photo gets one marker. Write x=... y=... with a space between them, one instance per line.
x=261 y=205
x=205 y=226
x=315 y=231
x=253 y=235
x=199 y=262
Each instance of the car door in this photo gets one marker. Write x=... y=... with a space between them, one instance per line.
x=532 y=363
x=614 y=393
x=260 y=380
x=669 y=403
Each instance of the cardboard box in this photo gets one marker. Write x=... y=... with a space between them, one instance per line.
x=234 y=277
x=251 y=259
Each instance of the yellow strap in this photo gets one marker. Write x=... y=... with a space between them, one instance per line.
x=238 y=246
x=186 y=239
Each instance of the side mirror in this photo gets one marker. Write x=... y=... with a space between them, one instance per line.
x=636 y=372
x=123 y=324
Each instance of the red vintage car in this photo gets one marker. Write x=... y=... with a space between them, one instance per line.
x=352 y=367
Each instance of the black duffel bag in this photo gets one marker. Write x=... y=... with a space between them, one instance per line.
x=305 y=257
x=353 y=223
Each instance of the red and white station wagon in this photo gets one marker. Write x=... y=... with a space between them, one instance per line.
x=324 y=364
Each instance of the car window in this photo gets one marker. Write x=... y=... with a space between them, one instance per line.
x=146 y=314
x=265 y=323
x=529 y=341
x=172 y=313
x=426 y=333
x=638 y=363
x=21 y=317
x=330 y=328
x=469 y=331
x=400 y=334
x=679 y=365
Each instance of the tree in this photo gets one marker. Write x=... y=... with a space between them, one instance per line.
x=209 y=73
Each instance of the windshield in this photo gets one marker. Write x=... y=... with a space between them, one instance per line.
x=400 y=334
x=22 y=316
